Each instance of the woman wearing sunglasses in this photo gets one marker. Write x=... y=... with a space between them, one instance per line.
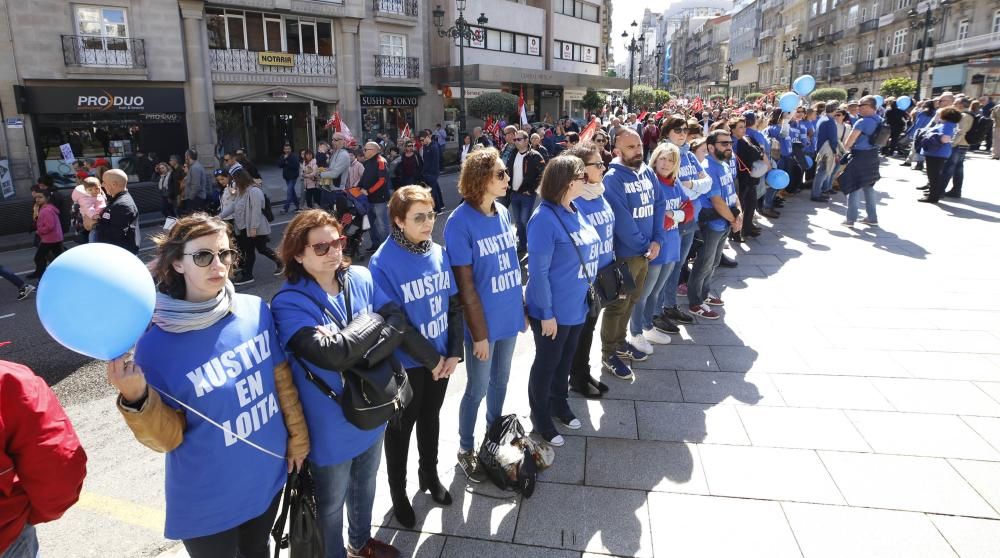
x=482 y=246
x=564 y=260
x=416 y=273
x=592 y=204
x=205 y=387
x=315 y=324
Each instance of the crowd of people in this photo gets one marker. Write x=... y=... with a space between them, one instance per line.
x=238 y=391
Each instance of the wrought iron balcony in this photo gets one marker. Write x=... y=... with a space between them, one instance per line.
x=103 y=52
x=870 y=25
x=835 y=37
x=403 y=67
x=248 y=62
x=396 y=7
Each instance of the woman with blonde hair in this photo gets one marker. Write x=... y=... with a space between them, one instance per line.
x=481 y=243
x=205 y=386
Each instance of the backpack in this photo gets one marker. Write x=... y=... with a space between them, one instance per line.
x=511 y=459
x=880 y=136
x=266 y=210
x=980 y=129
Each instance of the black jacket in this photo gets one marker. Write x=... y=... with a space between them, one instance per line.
x=119 y=222
x=289 y=166
x=747 y=152
x=534 y=165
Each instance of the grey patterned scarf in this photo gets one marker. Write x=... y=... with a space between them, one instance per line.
x=178 y=316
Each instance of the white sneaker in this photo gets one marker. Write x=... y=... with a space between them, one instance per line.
x=557 y=441
x=573 y=424
x=640 y=342
x=654 y=335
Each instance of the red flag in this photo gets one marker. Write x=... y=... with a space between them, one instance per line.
x=642 y=116
x=697 y=105
x=588 y=132
x=522 y=114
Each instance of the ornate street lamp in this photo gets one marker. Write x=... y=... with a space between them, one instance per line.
x=632 y=48
x=729 y=78
x=928 y=21
x=791 y=53
x=462 y=31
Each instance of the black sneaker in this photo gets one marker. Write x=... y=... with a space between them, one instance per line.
x=617 y=367
x=664 y=324
x=243 y=280
x=726 y=261
x=677 y=315
x=469 y=464
x=279 y=270
x=24 y=291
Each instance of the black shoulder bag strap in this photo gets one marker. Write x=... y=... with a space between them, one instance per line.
x=319 y=382
x=583 y=265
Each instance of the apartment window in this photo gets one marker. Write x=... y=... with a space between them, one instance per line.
x=900 y=4
x=808 y=66
x=578 y=9
x=822 y=6
x=847 y=55
x=963 y=30
x=899 y=41
x=391 y=44
x=815 y=7
x=852 y=17
x=504 y=41
x=996 y=22
x=101 y=23
x=864 y=14
x=565 y=50
x=870 y=51
x=256 y=31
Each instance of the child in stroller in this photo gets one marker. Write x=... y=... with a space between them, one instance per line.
x=351 y=209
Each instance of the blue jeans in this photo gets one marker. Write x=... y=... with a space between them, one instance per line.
x=25 y=545
x=290 y=196
x=823 y=180
x=379 y=217
x=852 y=204
x=668 y=294
x=520 y=212
x=12 y=277
x=548 y=382
x=705 y=264
x=353 y=482
x=486 y=378
x=649 y=303
x=954 y=169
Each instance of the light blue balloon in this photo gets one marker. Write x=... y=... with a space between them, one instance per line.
x=903 y=102
x=788 y=102
x=67 y=293
x=777 y=179
x=809 y=162
x=804 y=85
x=880 y=100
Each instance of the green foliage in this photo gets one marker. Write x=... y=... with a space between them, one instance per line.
x=717 y=97
x=594 y=101
x=661 y=97
x=753 y=97
x=829 y=94
x=898 y=86
x=494 y=104
x=644 y=96
x=612 y=72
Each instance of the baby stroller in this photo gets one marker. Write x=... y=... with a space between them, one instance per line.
x=352 y=212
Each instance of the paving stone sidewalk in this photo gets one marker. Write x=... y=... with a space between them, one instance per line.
x=848 y=404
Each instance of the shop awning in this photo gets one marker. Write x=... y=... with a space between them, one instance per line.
x=393 y=91
x=944 y=76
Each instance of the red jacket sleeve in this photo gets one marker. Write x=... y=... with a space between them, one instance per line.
x=688 y=208
x=49 y=462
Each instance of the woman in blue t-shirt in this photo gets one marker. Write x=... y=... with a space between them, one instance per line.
x=316 y=325
x=564 y=251
x=778 y=130
x=481 y=243
x=415 y=273
x=601 y=216
x=219 y=378
x=941 y=136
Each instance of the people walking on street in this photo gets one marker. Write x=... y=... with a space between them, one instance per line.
x=198 y=184
x=631 y=190
x=43 y=465
x=718 y=216
x=251 y=228
x=564 y=249
x=827 y=155
x=50 y=234
x=168 y=187
x=431 y=157
x=89 y=202
x=525 y=167
x=289 y=164
x=119 y=222
x=937 y=151
x=310 y=180
x=481 y=243
x=409 y=257
x=334 y=179
x=650 y=137
x=862 y=171
x=375 y=184
x=23 y=289
x=409 y=168
x=329 y=315
x=921 y=120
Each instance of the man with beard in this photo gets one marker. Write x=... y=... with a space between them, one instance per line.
x=715 y=222
x=633 y=193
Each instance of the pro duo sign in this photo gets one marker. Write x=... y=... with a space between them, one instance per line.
x=108 y=102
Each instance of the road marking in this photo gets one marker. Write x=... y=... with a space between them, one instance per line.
x=124 y=511
x=7 y=316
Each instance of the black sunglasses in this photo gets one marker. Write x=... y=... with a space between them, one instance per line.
x=204 y=258
x=323 y=248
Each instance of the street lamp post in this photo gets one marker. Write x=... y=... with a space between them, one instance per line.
x=916 y=22
x=632 y=48
x=729 y=78
x=791 y=54
x=659 y=65
x=462 y=31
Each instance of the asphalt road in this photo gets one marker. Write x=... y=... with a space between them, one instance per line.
x=121 y=512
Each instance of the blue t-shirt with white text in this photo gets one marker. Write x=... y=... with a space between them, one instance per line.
x=421 y=284
x=489 y=244
x=690 y=168
x=600 y=215
x=215 y=481
x=670 y=251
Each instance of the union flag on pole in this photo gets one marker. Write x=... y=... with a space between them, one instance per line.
x=520 y=108
x=337 y=124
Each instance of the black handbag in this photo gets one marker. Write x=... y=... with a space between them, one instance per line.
x=304 y=539
x=614 y=282
x=377 y=388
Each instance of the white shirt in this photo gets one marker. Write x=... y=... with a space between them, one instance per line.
x=517 y=173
